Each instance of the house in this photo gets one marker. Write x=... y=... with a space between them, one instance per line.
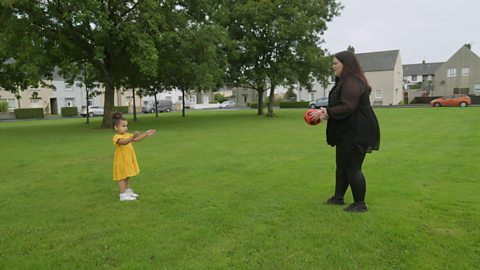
x=460 y=74
x=384 y=73
x=418 y=79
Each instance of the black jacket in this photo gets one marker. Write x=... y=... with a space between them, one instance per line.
x=352 y=124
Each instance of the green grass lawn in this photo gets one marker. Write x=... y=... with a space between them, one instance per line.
x=233 y=190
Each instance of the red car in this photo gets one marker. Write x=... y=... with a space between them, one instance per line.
x=452 y=100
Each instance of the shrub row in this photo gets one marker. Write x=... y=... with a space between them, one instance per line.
x=122 y=109
x=69 y=111
x=28 y=113
x=296 y=104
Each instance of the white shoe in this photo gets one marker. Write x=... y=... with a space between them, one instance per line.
x=131 y=193
x=126 y=197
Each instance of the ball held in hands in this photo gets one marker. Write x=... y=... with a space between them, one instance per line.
x=308 y=116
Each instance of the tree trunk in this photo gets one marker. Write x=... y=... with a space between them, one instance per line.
x=260 y=102
x=270 y=100
x=155 y=100
x=109 y=102
x=183 y=102
x=134 y=106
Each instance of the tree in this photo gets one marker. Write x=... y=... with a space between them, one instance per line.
x=22 y=68
x=290 y=95
x=351 y=49
x=193 y=56
x=112 y=36
x=278 y=43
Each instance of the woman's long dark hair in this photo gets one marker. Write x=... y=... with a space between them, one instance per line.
x=351 y=67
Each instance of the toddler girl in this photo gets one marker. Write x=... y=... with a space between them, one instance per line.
x=125 y=162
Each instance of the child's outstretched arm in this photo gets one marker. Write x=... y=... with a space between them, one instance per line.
x=130 y=139
x=144 y=135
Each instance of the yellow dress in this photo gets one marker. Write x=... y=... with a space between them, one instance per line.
x=125 y=161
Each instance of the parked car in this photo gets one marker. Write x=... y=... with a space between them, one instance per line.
x=92 y=111
x=321 y=102
x=162 y=106
x=227 y=105
x=452 y=100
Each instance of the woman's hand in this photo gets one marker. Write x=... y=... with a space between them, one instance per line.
x=320 y=114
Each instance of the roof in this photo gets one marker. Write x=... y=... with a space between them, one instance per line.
x=378 y=61
x=421 y=69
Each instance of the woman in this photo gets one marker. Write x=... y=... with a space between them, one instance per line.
x=352 y=128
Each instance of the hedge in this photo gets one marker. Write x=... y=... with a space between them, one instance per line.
x=28 y=113
x=255 y=105
x=291 y=104
x=69 y=111
x=121 y=109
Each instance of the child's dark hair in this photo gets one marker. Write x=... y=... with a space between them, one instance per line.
x=116 y=118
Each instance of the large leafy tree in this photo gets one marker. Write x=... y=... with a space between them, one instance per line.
x=193 y=53
x=24 y=60
x=112 y=36
x=278 y=42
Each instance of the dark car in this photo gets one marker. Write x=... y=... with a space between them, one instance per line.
x=321 y=102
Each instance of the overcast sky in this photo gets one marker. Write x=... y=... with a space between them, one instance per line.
x=430 y=30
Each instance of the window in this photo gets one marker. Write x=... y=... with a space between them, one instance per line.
x=476 y=88
x=180 y=98
x=465 y=72
x=451 y=72
x=69 y=102
x=414 y=78
x=68 y=87
x=312 y=96
x=378 y=93
x=461 y=90
x=10 y=101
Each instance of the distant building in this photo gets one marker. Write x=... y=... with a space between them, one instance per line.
x=460 y=74
x=384 y=73
x=418 y=79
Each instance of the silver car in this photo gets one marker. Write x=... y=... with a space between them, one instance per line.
x=92 y=111
x=321 y=102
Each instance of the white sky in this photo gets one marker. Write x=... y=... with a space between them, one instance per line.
x=430 y=30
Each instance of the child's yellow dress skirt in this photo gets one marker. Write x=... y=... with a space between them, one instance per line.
x=124 y=161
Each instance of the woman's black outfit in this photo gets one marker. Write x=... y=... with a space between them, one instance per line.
x=353 y=129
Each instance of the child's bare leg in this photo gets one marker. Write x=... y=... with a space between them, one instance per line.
x=127 y=184
x=122 y=185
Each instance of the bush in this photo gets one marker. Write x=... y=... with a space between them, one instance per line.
x=3 y=106
x=255 y=105
x=29 y=113
x=299 y=104
x=69 y=111
x=121 y=109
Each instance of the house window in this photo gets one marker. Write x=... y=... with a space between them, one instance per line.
x=460 y=90
x=312 y=96
x=193 y=99
x=451 y=72
x=476 y=88
x=180 y=98
x=68 y=87
x=465 y=72
x=414 y=78
x=10 y=101
x=69 y=102
x=378 y=93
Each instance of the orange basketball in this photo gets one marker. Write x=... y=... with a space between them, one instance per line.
x=308 y=118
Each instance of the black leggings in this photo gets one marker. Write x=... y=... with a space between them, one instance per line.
x=349 y=172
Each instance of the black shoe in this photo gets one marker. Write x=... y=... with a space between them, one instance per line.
x=335 y=201
x=356 y=207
